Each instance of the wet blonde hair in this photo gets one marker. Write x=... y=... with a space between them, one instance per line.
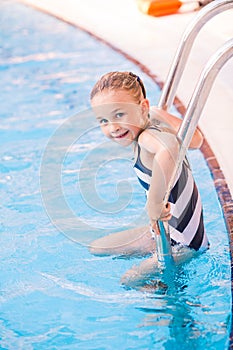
x=127 y=81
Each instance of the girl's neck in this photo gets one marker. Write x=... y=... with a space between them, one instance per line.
x=144 y=127
x=146 y=124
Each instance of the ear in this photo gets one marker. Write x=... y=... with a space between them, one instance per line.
x=145 y=105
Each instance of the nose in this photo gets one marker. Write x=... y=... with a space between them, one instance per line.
x=114 y=127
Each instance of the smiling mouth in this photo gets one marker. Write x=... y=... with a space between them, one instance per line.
x=122 y=135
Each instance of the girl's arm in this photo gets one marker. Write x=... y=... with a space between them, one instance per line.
x=175 y=122
x=164 y=150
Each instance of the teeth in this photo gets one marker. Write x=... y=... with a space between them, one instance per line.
x=122 y=135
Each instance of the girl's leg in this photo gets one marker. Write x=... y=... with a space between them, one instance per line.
x=137 y=276
x=131 y=242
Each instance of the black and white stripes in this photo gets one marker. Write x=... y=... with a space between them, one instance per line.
x=186 y=225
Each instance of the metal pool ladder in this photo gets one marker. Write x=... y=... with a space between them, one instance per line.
x=199 y=97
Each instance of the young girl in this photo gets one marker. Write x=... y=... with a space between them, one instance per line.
x=123 y=112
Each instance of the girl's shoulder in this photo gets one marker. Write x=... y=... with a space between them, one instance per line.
x=156 y=137
x=164 y=120
x=153 y=140
x=149 y=139
x=161 y=125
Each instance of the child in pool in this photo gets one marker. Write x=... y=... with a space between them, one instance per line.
x=124 y=114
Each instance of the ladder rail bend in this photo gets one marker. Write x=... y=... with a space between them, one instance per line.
x=198 y=101
x=185 y=134
x=183 y=51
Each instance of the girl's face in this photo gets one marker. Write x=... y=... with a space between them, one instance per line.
x=121 y=118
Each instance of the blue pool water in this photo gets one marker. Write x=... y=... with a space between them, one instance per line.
x=57 y=177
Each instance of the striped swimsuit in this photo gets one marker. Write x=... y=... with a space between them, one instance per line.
x=186 y=225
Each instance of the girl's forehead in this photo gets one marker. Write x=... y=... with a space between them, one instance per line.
x=112 y=96
x=112 y=102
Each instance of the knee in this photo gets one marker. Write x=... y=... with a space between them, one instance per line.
x=96 y=248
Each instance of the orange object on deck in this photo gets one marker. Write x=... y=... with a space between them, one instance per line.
x=159 y=7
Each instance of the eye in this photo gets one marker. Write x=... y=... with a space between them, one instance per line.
x=119 y=115
x=103 y=121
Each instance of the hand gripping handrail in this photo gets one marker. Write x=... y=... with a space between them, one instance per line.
x=196 y=103
x=183 y=51
x=187 y=128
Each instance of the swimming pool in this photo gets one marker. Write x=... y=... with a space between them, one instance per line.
x=54 y=294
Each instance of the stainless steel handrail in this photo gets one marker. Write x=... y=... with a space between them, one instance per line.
x=183 y=51
x=197 y=100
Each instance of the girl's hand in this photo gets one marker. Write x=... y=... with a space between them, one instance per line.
x=165 y=216
x=166 y=213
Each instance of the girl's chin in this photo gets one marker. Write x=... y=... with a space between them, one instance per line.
x=123 y=141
